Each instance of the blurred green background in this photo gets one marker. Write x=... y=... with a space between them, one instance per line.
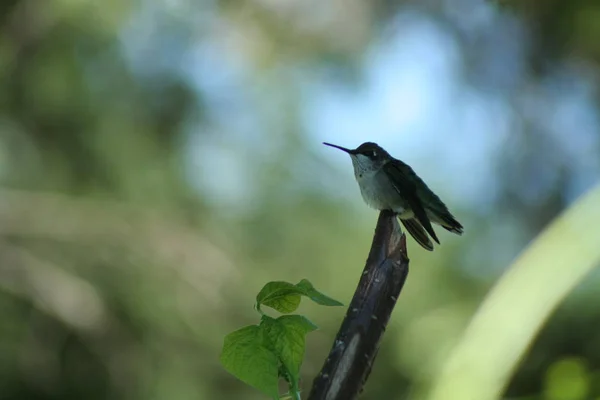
x=160 y=160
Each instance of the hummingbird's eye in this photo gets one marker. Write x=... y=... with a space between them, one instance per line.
x=372 y=154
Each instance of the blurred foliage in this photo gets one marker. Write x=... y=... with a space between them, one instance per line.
x=476 y=371
x=158 y=167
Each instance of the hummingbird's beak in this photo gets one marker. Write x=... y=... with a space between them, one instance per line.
x=339 y=147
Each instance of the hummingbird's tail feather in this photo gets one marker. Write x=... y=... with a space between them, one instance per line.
x=448 y=222
x=417 y=231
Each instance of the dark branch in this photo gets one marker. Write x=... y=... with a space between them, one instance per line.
x=353 y=352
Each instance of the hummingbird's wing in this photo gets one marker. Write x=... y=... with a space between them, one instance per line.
x=417 y=232
x=404 y=180
x=448 y=222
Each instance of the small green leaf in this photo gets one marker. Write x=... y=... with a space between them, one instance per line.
x=287 y=340
x=281 y=296
x=246 y=357
x=285 y=297
x=309 y=291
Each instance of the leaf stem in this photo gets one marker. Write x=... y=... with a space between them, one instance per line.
x=294 y=390
x=257 y=308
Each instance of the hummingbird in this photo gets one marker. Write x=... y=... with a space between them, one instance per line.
x=387 y=183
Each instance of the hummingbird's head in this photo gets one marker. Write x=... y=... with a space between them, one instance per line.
x=367 y=157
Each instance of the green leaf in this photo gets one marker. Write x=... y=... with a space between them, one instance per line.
x=281 y=296
x=309 y=291
x=285 y=297
x=287 y=337
x=246 y=357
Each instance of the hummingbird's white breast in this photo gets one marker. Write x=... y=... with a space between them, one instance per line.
x=379 y=193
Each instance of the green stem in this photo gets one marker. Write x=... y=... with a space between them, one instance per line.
x=294 y=390
x=257 y=308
